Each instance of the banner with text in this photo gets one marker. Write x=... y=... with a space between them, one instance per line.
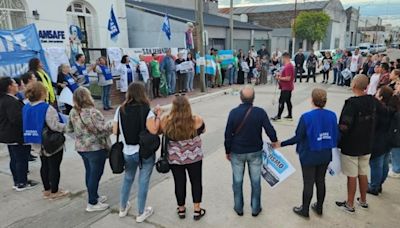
x=134 y=53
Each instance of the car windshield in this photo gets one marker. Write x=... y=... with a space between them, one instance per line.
x=363 y=47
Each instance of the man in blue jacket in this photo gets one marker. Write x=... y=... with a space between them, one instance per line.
x=243 y=144
x=169 y=69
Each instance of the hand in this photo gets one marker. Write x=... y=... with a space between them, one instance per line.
x=158 y=110
x=63 y=85
x=276 y=144
x=228 y=157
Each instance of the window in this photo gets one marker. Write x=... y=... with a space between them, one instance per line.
x=80 y=14
x=12 y=14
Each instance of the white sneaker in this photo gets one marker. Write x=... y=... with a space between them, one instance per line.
x=147 y=213
x=98 y=207
x=124 y=212
x=393 y=174
x=102 y=199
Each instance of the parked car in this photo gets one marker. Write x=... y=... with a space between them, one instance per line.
x=367 y=48
x=381 y=47
x=306 y=54
x=395 y=45
x=352 y=49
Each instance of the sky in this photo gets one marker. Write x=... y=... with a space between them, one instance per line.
x=388 y=10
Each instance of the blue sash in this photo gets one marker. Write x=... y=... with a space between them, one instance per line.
x=71 y=84
x=33 y=121
x=106 y=72
x=82 y=71
x=322 y=129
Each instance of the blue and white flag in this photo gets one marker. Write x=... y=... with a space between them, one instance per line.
x=210 y=66
x=166 y=27
x=113 y=25
x=226 y=57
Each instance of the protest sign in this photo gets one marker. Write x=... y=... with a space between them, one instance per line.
x=134 y=53
x=114 y=55
x=66 y=96
x=276 y=168
x=334 y=167
x=185 y=67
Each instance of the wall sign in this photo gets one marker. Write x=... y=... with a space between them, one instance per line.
x=52 y=36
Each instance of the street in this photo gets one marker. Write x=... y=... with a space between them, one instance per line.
x=28 y=209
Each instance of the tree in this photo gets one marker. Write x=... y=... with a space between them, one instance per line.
x=312 y=26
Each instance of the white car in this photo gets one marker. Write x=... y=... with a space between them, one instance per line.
x=381 y=47
x=367 y=48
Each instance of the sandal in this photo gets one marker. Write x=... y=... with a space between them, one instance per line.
x=181 y=214
x=199 y=214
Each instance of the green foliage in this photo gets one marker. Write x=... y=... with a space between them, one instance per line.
x=312 y=26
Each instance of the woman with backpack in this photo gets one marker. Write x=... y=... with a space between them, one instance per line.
x=182 y=130
x=131 y=118
x=38 y=116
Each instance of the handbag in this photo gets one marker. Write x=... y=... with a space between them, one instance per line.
x=116 y=157
x=149 y=143
x=162 y=164
x=52 y=141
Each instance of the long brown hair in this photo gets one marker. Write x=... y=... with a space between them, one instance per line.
x=180 y=123
x=136 y=95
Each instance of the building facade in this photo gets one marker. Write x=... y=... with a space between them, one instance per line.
x=353 y=36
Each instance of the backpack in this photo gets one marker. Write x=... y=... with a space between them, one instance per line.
x=394 y=131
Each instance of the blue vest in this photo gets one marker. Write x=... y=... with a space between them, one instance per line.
x=82 y=71
x=71 y=84
x=106 y=72
x=322 y=129
x=34 y=118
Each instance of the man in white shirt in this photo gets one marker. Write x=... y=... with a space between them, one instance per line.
x=356 y=62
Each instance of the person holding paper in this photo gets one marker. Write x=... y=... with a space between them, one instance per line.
x=105 y=82
x=80 y=71
x=66 y=80
x=316 y=136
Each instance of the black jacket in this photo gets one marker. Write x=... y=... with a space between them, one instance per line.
x=299 y=59
x=10 y=120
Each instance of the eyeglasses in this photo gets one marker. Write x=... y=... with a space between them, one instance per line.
x=180 y=94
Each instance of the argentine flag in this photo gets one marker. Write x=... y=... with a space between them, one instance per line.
x=166 y=28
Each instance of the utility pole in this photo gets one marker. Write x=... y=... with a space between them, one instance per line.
x=294 y=28
x=357 y=28
x=200 y=37
x=231 y=26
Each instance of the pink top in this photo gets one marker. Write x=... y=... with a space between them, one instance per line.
x=288 y=70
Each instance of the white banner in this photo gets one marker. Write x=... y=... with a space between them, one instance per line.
x=55 y=56
x=276 y=168
x=185 y=67
x=114 y=55
x=134 y=53
x=66 y=96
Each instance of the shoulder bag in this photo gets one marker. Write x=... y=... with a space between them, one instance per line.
x=149 y=143
x=162 y=164
x=238 y=128
x=117 y=161
x=52 y=141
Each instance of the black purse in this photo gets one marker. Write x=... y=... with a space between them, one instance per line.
x=116 y=156
x=148 y=142
x=162 y=164
x=52 y=141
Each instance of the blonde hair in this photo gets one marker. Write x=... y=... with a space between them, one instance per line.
x=360 y=82
x=319 y=97
x=36 y=91
x=83 y=99
x=180 y=123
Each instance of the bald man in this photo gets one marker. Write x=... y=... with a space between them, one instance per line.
x=244 y=144
x=357 y=127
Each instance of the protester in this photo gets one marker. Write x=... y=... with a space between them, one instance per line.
x=374 y=81
x=66 y=80
x=27 y=78
x=275 y=64
x=11 y=134
x=326 y=67
x=191 y=73
x=337 y=67
x=394 y=78
x=127 y=75
x=346 y=65
x=168 y=68
x=379 y=161
x=144 y=75
x=356 y=62
x=91 y=142
x=263 y=52
x=105 y=82
x=181 y=75
x=241 y=58
x=264 y=70
x=37 y=115
x=80 y=71
x=36 y=66
x=130 y=119
x=312 y=64
x=316 y=136
x=366 y=65
x=155 y=75
x=182 y=130
x=395 y=124
x=251 y=62
x=385 y=75
x=286 y=85
x=299 y=62
x=356 y=125
x=243 y=144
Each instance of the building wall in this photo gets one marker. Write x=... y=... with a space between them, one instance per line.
x=187 y=4
x=53 y=16
x=337 y=28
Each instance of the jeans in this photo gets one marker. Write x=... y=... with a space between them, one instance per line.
x=340 y=78
x=231 y=77
x=50 y=171
x=195 y=175
x=190 y=78
x=105 y=96
x=336 y=73
x=395 y=152
x=19 y=155
x=379 y=171
x=285 y=98
x=94 y=165
x=311 y=175
x=325 y=75
x=311 y=73
x=132 y=163
x=254 y=162
x=171 y=81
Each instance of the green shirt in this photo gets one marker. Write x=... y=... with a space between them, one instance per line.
x=155 y=69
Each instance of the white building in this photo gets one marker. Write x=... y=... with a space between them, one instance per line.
x=53 y=19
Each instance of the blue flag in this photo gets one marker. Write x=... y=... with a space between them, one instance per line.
x=113 y=25
x=166 y=28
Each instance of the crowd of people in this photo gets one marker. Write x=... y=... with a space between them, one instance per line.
x=366 y=132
